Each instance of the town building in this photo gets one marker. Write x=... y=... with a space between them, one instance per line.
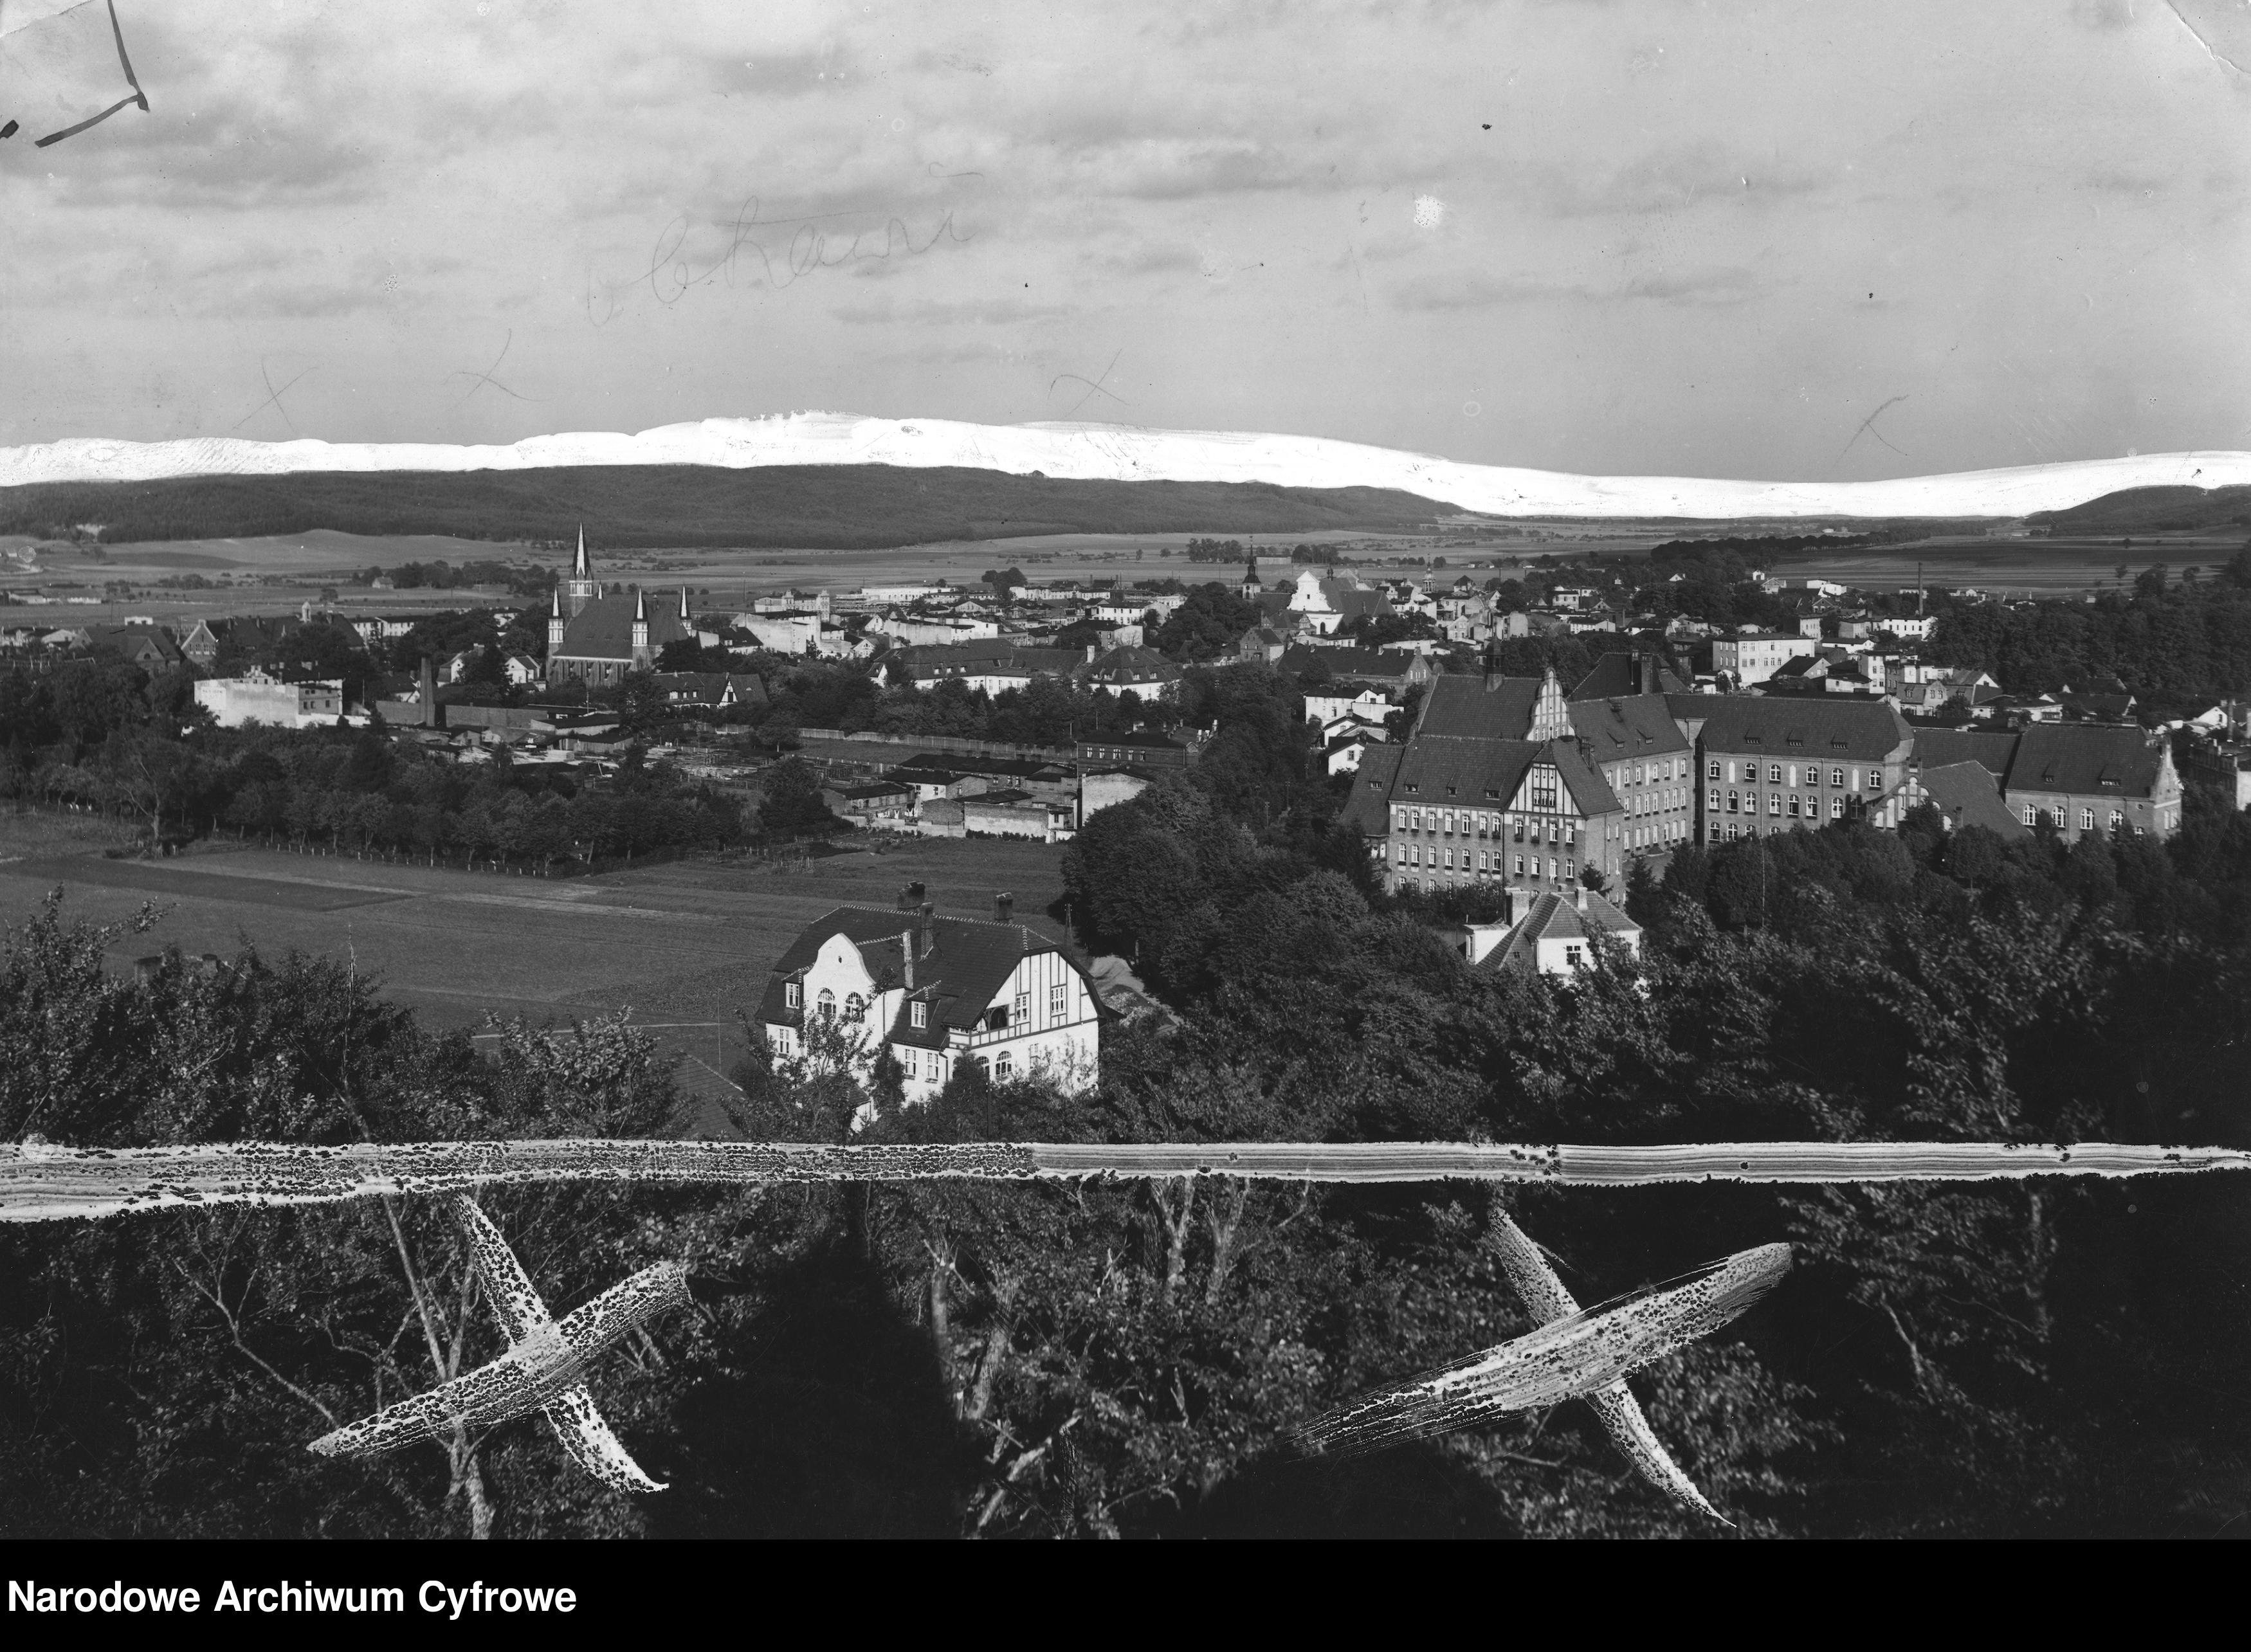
x=941 y=995
x=1141 y=748
x=1753 y=656
x=279 y=700
x=1551 y=933
x=2086 y=778
x=1772 y=764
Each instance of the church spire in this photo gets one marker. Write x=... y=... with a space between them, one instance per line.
x=580 y=569
x=640 y=607
x=684 y=620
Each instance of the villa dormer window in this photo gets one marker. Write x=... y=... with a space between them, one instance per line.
x=792 y=995
x=918 y=1014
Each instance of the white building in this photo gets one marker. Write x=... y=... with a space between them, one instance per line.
x=1326 y=709
x=262 y=698
x=1753 y=656
x=940 y=994
x=1549 y=933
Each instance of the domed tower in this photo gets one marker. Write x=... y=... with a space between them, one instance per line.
x=583 y=587
x=1251 y=589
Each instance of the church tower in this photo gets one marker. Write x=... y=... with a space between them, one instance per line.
x=1251 y=588
x=555 y=624
x=686 y=620
x=640 y=650
x=583 y=587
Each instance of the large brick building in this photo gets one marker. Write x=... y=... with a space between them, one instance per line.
x=1503 y=782
x=1774 y=765
x=597 y=640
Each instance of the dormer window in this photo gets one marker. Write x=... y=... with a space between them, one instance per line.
x=792 y=994
x=918 y=1014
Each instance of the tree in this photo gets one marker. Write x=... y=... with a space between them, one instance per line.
x=792 y=804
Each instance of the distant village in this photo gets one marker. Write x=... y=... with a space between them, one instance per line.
x=1456 y=770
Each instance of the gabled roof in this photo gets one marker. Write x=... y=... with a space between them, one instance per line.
x=1479 y=707
x=1967 y=794
x=1861 y=730
x=1468 y=772
x=1937 y=748
x=959 y=977
x=1557 y=917
x=1379 y=664
x=2085 y=759
x=1615 y=674
x=1133 y=664
x=603 y=629
x=1366 y=810
x=1628 y=726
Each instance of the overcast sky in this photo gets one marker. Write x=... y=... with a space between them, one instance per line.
x=1648 y=237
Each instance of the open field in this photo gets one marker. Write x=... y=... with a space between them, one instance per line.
x=685 y=945
x=2019 y=567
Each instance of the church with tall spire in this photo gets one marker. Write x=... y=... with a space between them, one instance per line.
x=597 y=640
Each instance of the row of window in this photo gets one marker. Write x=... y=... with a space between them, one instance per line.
x=1449 y=821
x=1634 y=774
x=1413 y=854
x=2033 y=813
x=1776 y=803
x=1786 y=774
x=855 y=1008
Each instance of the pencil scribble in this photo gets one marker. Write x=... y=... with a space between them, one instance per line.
x=485 y=378
x=672 y=270
x=272 y=398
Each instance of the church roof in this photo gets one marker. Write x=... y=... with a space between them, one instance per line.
x=603 y=629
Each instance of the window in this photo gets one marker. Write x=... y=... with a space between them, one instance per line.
x=1732 y=797
x=1875 y=779
x=984 y=1067
x=1023 y=1016
x=1449 y=860
x=1773 y=803
x=1793 y=803
x=1715 y=803
x=1057 y=1002
x=1773 y=774
x=2087 y=820
x=1481 y=860
x=2117 y=818
x=855 y=1008
x=2032 y=815
x=936 y=1068
x=1715 y=831
x=1519 y=866
x=792 y=994
x=828 y=1004
x=1402 y=854
x=1399 y=820
x=1003 y=1066
x=1574 y=955
x=918 y=1014
x=1836 y=776
x=1836 y=808
x=1715 y=771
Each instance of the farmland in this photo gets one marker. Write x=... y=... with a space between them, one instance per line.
x=683 y=945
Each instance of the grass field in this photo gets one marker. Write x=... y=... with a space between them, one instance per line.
x=685 y=945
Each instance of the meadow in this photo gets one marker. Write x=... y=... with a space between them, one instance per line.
x=685 y=945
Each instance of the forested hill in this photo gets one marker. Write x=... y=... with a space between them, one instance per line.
x=2148 y=510
x=823 y=507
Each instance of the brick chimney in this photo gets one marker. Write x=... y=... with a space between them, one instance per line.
x=1579 y=895
x=1003 y=905
x=1645 y=664
x=925 y=929
x=906 y=953
x=429 y=694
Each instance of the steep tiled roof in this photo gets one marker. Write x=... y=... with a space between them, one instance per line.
x=1935 y=748
x=603 y=629
x=959 y=977
x=1479 y=707
x=2085 y=759
x=1380 y=664
x=1967 y=794
x=1614 y=675
x=1557 y=917
x=1366 y=810
x=1865 y=730
x=1628 y=726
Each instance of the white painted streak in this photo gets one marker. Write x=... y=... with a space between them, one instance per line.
x=1122 y=453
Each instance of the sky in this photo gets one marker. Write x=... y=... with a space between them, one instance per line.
x=1803 y=241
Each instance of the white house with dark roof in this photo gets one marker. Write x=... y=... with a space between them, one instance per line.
x=1549 y=933
x=938 y=993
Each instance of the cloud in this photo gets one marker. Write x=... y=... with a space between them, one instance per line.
x=1705 y=288
x=995 y=311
